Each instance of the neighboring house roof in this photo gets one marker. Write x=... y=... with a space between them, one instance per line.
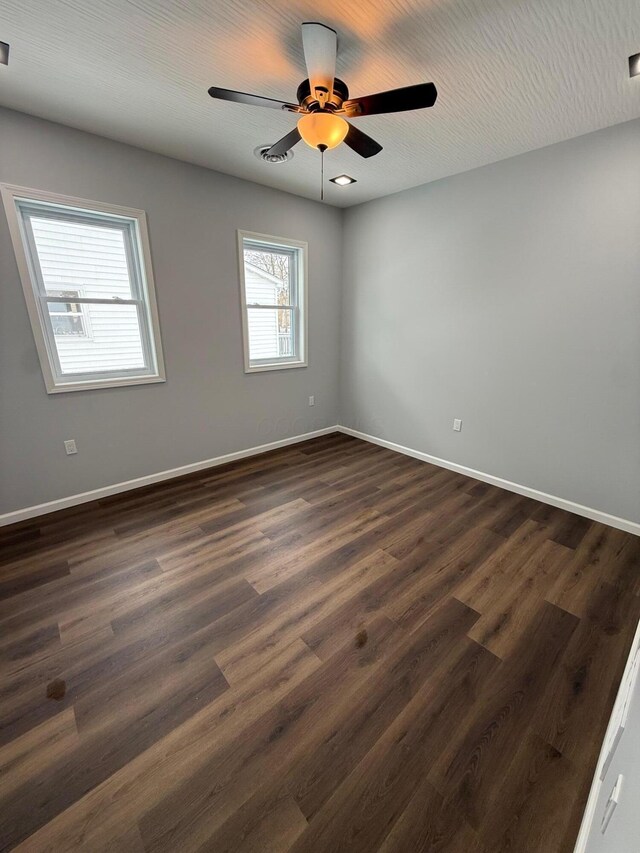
x=263 y=273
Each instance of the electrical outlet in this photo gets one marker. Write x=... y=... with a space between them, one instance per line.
x=457 y=424
x=312 y=401
x=612 y=802
x=70 y=446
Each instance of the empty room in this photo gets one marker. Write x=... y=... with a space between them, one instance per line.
x=320 y=426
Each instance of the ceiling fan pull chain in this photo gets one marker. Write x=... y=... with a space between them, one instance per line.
x=322 y=174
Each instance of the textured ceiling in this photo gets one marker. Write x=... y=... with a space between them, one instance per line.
x=512 y=75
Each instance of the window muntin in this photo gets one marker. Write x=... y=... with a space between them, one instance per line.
x=86 y=273
x=273 y=278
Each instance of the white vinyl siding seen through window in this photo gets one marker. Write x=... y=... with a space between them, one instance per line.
x=273 y=273
x=86 y=272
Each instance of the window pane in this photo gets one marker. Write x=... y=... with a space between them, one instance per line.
x=90 y=259
x=267 y=277
x=286 y=344
x=270 y=333
x=114 y=344
x=63 y=307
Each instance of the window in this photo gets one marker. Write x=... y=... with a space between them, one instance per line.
x=88 y=283
x=273 y=276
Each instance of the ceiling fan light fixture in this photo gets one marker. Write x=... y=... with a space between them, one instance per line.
x=322 y=130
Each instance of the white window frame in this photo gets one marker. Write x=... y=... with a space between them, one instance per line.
x=143 y=290
x=298 y=306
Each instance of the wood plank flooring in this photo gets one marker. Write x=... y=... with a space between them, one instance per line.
x=330 y=647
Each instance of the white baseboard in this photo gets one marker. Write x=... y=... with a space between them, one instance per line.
x=561 y=503
x=138 y=482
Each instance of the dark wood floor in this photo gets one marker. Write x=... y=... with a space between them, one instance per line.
x=330 y=647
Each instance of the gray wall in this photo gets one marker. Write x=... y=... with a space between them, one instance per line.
x=509 y=297
x=208 y=406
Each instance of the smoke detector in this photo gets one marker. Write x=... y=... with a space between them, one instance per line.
x=262 y=153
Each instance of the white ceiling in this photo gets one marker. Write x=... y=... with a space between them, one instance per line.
x=512 y=75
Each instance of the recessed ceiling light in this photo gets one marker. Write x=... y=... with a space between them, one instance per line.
x=343 y=180
x=634 y=65
x=4 y=53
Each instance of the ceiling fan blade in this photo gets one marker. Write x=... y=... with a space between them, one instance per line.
x=362 y=144
x=320 y=45
x=286 y=143
x=252 y=100
x=395 y=101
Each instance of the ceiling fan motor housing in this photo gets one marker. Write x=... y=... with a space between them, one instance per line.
x=309 y=102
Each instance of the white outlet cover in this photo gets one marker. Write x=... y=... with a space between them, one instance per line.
x=612 y=803
x=312 y=401
x=70 y=446
x=457 y=424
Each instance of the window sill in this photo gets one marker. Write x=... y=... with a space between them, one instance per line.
x=94 y=384
x=287 y=365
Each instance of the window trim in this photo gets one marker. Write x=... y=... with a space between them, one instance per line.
x=302 y=301
x=11 y=195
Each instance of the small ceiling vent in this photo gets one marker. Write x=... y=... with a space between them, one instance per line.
x=261 y=153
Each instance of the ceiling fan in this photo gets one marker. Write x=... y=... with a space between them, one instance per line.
x=324 y=103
